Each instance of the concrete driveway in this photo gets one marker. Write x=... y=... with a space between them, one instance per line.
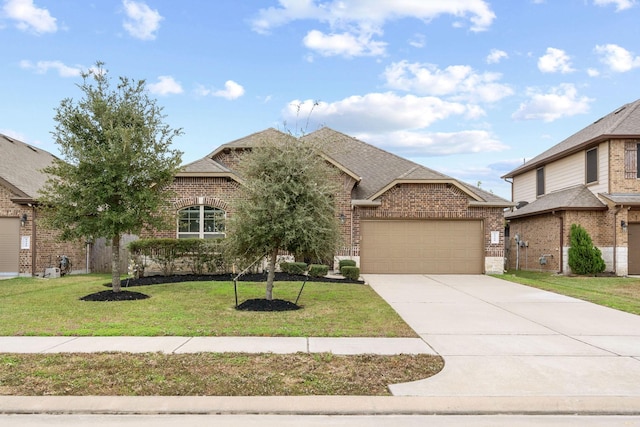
x=503 y=339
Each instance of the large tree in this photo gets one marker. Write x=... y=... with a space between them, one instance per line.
x=286 y=204
x=116 y=163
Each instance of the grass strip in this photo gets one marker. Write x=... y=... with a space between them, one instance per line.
x=209 y=374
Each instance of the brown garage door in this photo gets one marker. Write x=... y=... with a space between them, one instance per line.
x=9 y=245
x=421 y=247
x=634 y=249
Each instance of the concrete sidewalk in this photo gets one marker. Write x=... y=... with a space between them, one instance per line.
x=278 y=345
x=503 y=339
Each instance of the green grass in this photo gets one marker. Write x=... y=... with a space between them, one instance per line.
x=33 y=306
x=209 y=374
x=621 y=293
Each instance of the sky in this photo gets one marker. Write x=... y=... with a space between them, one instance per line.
x=469 y=88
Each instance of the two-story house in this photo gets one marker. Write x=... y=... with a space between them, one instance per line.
x=396 y=216
x=592 y=179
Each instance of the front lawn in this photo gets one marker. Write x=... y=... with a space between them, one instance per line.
x=34 y=306
x=621 y=293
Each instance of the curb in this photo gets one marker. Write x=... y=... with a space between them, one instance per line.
x=321 y=405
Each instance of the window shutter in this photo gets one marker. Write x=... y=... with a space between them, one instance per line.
x=631 y=160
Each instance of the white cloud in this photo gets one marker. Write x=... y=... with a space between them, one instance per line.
x=345 y=44
x=561 y=101
x=426 y=144
x=592 y=72
x=620 y=4
x=142 y=22
x=617 y=58
x=496 y=56
x=42 y=67
x=418 y=41
x=555 y=61
x=458 y=81
x=378 y=112
x=372 y=12
x=29 y=17
x=354 y=22
x=166 y=85
x=231 y=91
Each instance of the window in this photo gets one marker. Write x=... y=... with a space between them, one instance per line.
x=539 y=181
x=592 y=165
x=201 y=222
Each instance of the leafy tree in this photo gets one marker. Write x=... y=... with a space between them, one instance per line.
x=584 y=257
x=286 y=204
x=116 y=163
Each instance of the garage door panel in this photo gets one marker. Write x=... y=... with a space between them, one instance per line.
x=9 y=245
x=421 y=247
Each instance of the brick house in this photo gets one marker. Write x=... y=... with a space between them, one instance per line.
x=26 y=248
x=396 y=216
x=591 y=179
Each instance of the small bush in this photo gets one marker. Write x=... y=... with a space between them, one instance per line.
x=318 y=270
x=293 y=267
x=350 y=272
x=346 y=263
x=584 y=257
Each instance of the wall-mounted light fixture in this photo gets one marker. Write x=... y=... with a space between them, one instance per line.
x=23 y=219
x=342 y=218
x=623 y=224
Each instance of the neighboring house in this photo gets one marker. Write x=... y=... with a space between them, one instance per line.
x=396 y=216
x=591 y=179
x=26 y=248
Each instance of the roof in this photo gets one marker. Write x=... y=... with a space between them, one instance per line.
x=623 y=199
x=355 y=158
x=21 y=167
x=622 y=122
x=573 y=198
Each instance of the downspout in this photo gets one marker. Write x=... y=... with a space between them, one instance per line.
x=34 y=249
x=615 y=239
x=561 y=257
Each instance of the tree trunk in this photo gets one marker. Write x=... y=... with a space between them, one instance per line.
x=272 y=274
x=115 y=264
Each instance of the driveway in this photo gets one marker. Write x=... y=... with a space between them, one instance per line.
x=503 y=339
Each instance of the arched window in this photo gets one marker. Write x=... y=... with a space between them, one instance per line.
x=203 y=222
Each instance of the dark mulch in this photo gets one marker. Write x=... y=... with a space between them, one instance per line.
x=115 y=296
x=258 y=277
x=261 y=304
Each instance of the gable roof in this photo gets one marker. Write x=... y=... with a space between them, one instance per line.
x=573 y=198
x=21 y=167
x=620 y=123
x=353 y=157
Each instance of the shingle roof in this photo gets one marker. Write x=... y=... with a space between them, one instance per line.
x=372 y=167
x=624 y=121
x=359 y=157
x=628 y=199
x=204 y=165
x=574 y=198
x=21 y=166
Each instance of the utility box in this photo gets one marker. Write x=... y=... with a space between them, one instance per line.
x=52 y=273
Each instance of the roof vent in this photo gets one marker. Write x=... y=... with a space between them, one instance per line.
x=619 y=110
x=521 y=204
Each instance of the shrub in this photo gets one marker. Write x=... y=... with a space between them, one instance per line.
x=584 y=257
x=293 y=267
x=350 y=272
x=318 y=270
x=346 y=262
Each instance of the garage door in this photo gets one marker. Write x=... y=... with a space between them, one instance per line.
x=422 y=247
x=9 y=246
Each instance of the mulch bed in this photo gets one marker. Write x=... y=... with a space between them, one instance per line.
x=248 y=305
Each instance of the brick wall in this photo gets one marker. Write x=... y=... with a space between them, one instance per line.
x=617 y=180
x=46 y=243
x=541 y=235
x=434 y=201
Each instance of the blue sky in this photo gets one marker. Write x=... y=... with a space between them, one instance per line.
x=469 y=88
